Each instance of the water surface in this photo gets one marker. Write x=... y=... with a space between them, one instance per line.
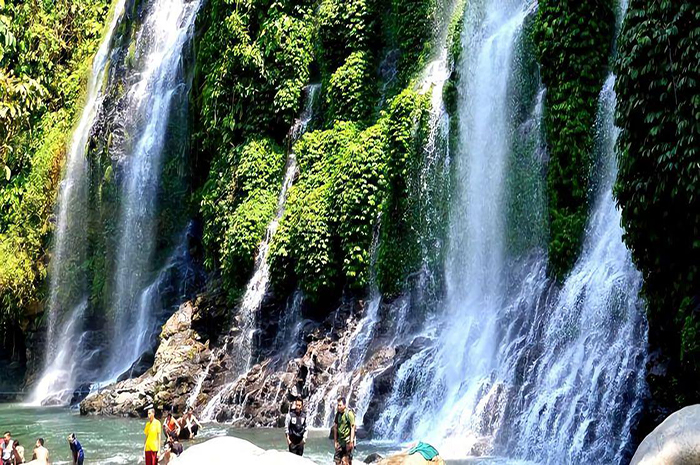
x=110 y=440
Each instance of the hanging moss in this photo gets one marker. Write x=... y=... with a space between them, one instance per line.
x=658 y=185
x=399 y=251
x=573 y=39
x=345 y=27
x=411 y=24
x=238 y=201
x=351 y=90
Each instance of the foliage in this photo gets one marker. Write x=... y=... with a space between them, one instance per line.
x=45 y=52
x=399 y=249
x=345 y=27
x=238 y=201
x=572 y=39
x=253 y=62
x=411 y=23
x=351 y=88
x=658 y=186
x=305 y=248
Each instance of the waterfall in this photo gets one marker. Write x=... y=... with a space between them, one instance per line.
x=519 y=366
x=587 y=384
x=69 y=250
x=159 y=44
x=258 y=285
x=142 y=106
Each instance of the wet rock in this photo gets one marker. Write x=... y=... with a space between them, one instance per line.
x=226 y=450
x=676 y=441
x=167 y=385
x=373 y=458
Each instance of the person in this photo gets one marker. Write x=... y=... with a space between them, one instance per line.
x=171 y=426
x=153 y=438
x=76 y=449
x=41 y=454
x=295 y=428
x=343 y=433
x=19 y=452
x=7 y=446
x=175 y=446
x=165 y=457
x=190 y=426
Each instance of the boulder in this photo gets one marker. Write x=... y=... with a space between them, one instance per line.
x=177 y=365
x=225 y=450
x=676 y=441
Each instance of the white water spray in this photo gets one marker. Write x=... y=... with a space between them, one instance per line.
x=56 y=384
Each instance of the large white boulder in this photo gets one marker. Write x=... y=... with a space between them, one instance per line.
x=676 y=441
x=226 y=450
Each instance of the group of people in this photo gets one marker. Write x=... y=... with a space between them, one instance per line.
x=344 y=439
x=186 y=427
x=13 y=453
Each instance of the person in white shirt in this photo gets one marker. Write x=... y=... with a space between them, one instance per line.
x=7 y=446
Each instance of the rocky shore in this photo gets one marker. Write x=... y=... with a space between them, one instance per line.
x=176 y=367
x=190 y=369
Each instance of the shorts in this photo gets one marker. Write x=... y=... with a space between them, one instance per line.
x=297 y=449
x=342 y=452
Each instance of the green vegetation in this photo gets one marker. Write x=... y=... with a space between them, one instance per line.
x=45 y=53
x=238 y=201
x=360 y=161
x=573 y=39
x=658 y=187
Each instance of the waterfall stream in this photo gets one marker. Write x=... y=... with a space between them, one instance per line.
x=519 y=366
x=57 y=381
x=157 y=81
x=259 y=282
x=159 y=44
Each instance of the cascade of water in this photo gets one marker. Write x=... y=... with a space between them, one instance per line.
x=157 y=79
x=159 y=44
x=587 y=385
x=440 y=390
x=69 y=249
x=522 y=367
x=258 y=285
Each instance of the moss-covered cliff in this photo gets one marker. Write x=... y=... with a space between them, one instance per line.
x=253 y=62
x=658 y=187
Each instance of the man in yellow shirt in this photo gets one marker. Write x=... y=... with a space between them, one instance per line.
x=152 y=432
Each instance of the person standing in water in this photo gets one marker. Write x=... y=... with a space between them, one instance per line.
x=76 y=449
x=153 y=438
x=343 y=433
x=7 y=446
x=41 y=454
x=19 y=452
x=295 y=428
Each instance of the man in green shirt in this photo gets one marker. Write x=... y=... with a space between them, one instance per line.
x=344 y=433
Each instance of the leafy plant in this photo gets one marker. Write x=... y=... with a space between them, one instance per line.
x=572 y=40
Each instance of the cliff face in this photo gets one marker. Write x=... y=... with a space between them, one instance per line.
x=657 y=187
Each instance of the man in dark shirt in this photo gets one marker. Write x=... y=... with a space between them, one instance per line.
x=76 y=449
x=295 y=428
